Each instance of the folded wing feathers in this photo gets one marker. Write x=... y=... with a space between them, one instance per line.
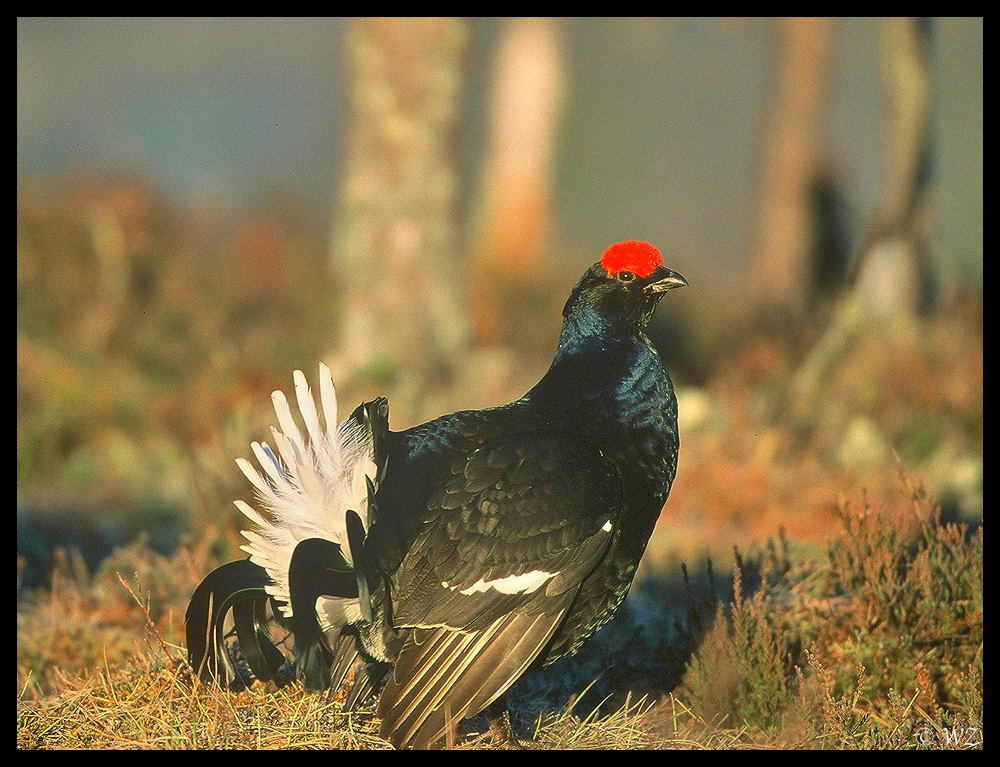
x=442 y=676
x=305 y=494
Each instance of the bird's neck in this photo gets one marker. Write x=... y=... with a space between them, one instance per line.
x=612 y=389
x=592 y=360
x=586 y=331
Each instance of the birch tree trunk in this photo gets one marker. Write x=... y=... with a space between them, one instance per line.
x=892 y=263
x=525 y=103
x=396 y=243
x=891 y=267
x=795 y=157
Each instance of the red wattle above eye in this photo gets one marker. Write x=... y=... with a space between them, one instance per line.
x=634 y=256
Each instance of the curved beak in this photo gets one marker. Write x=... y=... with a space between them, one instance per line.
x=664 y=279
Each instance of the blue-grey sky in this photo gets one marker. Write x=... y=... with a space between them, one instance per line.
x=660 y=138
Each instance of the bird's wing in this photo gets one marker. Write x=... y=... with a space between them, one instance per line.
x=509 y=526
x=442 y=676
x=515 y=527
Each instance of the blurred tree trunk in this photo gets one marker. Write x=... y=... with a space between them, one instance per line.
x=795 y=159
x=396 y=245
x=525 y=103
x=891 y=277
x=891 y=274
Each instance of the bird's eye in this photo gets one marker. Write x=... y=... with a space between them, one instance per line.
x=626 y=276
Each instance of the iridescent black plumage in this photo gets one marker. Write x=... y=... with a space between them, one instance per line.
x=496 y=539
x=567 y=480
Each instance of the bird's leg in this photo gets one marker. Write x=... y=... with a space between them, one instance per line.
x=500 y=727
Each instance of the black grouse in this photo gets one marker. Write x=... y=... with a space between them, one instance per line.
x=453 y=556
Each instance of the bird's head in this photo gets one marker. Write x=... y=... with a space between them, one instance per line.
x=624 y=287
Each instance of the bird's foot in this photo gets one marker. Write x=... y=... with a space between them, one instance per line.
x=502 y=732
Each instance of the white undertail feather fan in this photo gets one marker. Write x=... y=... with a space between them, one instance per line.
x=306 y=489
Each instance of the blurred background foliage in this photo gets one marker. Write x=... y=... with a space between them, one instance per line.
x=204 y=205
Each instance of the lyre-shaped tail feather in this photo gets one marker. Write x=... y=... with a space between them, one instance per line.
x=237 y=587
x=307 y=487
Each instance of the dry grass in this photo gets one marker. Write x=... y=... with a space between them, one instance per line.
x=863 y=649
x=152 y=706
x=861 y=626
x=873 y=646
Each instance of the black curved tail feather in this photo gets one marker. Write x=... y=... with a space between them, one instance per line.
x=238 y=586
x=318 y=568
